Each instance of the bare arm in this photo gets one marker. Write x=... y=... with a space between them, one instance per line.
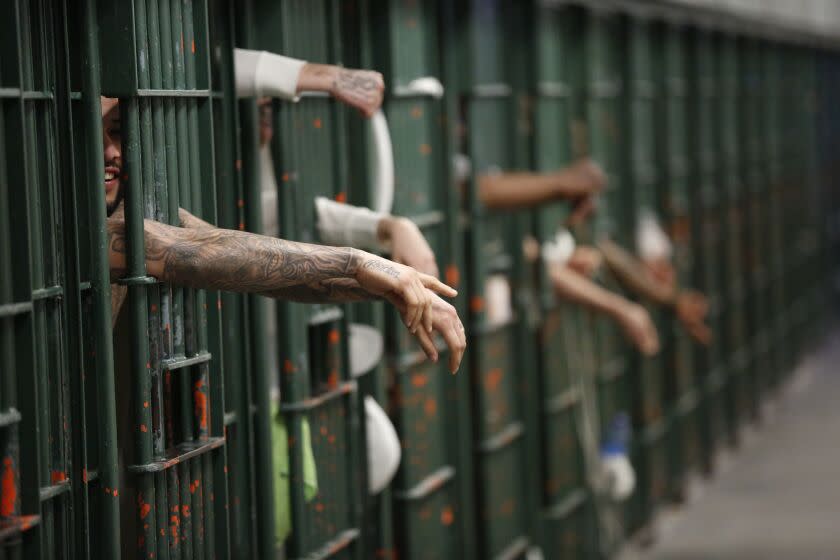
x=189 y=221
x=634 y=276
x=633 y=319
x=526 y=190
x=213 y=258
x=362 y=89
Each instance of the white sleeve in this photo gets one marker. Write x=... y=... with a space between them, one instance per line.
x=343 y=224
x=652 y=243
x=261 y=73
x=560 y=249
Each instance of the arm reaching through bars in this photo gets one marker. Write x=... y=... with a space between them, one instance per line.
x=633 y=319
x=690 y=306
x=213 y=258
x=264 y=74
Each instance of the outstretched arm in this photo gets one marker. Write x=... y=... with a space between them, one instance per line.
x=221 y=259
x=525 y=190
x=690 y=306
x=634 y=276
x=261 y=73
x=631 y=317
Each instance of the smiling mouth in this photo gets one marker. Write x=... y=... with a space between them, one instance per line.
x=112 y=178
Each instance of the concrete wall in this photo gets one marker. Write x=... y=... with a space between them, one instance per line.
x=822 y=16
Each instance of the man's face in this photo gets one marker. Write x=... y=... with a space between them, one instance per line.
x=112 y=143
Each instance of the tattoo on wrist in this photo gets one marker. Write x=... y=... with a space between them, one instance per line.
x=382 y=266
x=360 y=84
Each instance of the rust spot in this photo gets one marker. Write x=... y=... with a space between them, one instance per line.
x=142 y=507
x=493 y=378
x=288 y=366
x=477 y=304
x=192 y=46
x=84 y=475
x=317 y=123
x=319 y=507
x=419 y=379
x=241 y=226
x=430 y=407
x=447 y=516
x=185 y=510
x=425 y=149
x=333 y=337
x=285 y=177
x=332 y=380
x=115 y=492
x=200 y=398
x=193 y=486
x=7 y=482
x=145 y=404
x=57 y=476
x=452 y=275
x=416 y=112
x=143 y=428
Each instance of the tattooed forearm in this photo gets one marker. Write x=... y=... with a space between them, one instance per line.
x=334 y=290
x=220 y=259
x=384 y=267
x=189 y=221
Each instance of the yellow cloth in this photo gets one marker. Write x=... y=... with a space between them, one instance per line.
x=282 y=491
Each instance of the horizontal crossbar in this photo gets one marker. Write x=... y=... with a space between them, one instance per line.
x=178 y=455
x=428 y=485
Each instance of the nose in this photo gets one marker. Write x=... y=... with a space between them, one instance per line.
x=111 y=148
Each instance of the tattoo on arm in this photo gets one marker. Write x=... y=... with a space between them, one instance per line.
x=333 y=290
x=383 y=267
x=220 y=259
x=361 y=84
x=189 y=221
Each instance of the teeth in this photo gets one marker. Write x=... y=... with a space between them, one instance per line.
x=109 y=175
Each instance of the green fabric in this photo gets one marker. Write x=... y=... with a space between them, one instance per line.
x=282 y=491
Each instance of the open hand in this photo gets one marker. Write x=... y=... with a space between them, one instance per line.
x=692 y=308
x=445 y=321
x=404 y=287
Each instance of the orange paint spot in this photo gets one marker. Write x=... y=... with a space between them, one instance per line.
x=447 y=516
x=288 y=366
x=430 y=406
x=333 y=337
x=285 y=177
x=331 y=439
x=319 y=507
x=142 y=507
x=416 y=112
x=57 y=476
x=192 y=47
x=332 y=380
x=317 y=123
x=477 y=304
x=193 y=486
x=116 y=492
x=148 y=365
x=84 y=475
x=419 y=380
x=341 y=197
x=240 y=203
x=145 y=404
x=425 y=149
x=493 y=378
x=154 y=308
x=323 y=430
x=452 y=275
x=241 y=226
x=143 y=428
x=185 y=510
x=200 y=398
x=8 y=499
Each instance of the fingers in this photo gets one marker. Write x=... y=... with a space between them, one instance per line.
x=427 y=344
x=437 y=286
x=581 y=211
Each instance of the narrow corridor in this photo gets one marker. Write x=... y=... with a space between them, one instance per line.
x=778 y=496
